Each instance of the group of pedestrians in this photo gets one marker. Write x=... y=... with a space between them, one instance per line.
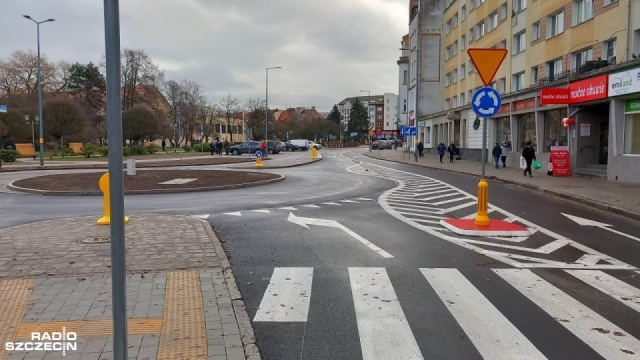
x=452 y=149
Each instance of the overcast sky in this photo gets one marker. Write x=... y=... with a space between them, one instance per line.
x=328 y=49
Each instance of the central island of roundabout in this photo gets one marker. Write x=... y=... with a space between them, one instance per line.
x=145 y=182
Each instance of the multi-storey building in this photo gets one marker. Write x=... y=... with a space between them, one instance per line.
x=566 y=59
x=383 y=115
x=403 y=80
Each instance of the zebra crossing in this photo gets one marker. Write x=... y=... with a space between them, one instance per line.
x=385 y=329
x=422 y=202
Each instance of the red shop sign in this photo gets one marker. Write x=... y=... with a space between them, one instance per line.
x=560 y=161
x=505 y=108
x=524 y=104
x=554 y=96
x=589 y=89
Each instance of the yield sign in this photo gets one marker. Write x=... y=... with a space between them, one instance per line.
x=487 y=62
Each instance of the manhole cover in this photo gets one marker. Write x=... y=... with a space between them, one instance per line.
x=96 y=240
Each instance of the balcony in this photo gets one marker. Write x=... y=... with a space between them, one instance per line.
x=587 y=67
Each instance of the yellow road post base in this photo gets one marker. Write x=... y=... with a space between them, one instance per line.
x=482 y=217
x=103 y=183
x=259 y=161
x=314 y=153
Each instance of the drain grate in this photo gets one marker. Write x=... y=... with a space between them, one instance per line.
x=96 y=240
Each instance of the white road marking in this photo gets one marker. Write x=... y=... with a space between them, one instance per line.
x=287 y=296
x=203 y=216
x=177 y=181
x=492 y=333
x=599 y=333
x=462 y=206
x=382 y=325
x=611 y=286
x=331 y=203
x=449 y=201
x=264 y=211
x=348 y=201
x=364 y=199
x=290 y=208
x=310 y=206
x=237 y=213
x=440 y=196
x=472 y=216
x=412 y=213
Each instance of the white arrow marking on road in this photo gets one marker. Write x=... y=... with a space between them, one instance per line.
x=587 y=222
x=237 y=213
x=264 y=211
x=305 y=222
x=494 y=98
x=311 y=206
x=478 y=101
x=203 y=216
x=288 y=208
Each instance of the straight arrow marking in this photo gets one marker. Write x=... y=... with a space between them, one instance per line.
x=305 y=222
x=587 y=222
x=237 y=213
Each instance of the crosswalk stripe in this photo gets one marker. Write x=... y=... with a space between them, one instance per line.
x=440 y=196
x=449 y=201
x=600 y=334
x=422 y=193
x=611 y=286
x=492 y=333
x=287 y=296
x=382 y=325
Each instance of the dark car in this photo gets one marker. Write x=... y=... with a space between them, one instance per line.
x=291 y=147
x=272 y=147
x=249 y=147
x=281 y=146
x=381 y=144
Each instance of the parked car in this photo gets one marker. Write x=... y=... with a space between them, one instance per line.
x=249 y=147
x=302 y=144
x=381 y=144
x=291 y=147
x=281 y=146
x=314 y=145
x=272 y=147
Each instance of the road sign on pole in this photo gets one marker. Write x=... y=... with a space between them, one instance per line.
x=487 y=62
x=3 y=108
x=486 y=102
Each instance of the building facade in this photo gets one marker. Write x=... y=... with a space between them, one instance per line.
x=383 y=115
x=566 y=59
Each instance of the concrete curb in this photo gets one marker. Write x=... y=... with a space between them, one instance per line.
x=577 y=199
x=10 y=186
x=247 y=335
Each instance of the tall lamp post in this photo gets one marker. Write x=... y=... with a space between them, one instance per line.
x=415 y=115
x=368 y=112
x=40 y=88
x=33 y=132
x=266 y=115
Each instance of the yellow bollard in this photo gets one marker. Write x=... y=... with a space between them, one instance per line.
x=104 y=187
x=314 y=153
x=258 y=161
x=482 y=217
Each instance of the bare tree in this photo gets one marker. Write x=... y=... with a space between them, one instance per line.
x=19 y=74
x=192 y=101
x=173 y=94
x=255 y=117
x=137 y=69
x=229 y=108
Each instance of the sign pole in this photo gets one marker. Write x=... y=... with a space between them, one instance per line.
x=116 y=185
x=482 y=216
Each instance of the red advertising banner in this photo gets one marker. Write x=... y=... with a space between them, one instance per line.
x=524 y=104
x=595 y=88
x=560 y=161
x=554 y=96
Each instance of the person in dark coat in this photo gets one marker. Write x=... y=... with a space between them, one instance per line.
x=164 y=145
x=442 y=148
x=529 y=156
x=496 y=152
x=452 y=149
x=212 y=147
x=420 y=148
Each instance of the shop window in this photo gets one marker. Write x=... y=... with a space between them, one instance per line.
x=554 y=133
x=503 y=133
x=632 y=134
x=527 y=129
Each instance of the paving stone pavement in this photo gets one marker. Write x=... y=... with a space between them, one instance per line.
x=51 y=281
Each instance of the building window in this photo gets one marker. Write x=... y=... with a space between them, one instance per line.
x=454 y=102
x=503 y=11
x=463 y=71
x=463 y=12
x=534 y=75
x=479 y=2
x=535 y=31
x=454 y=76
x=609 y=49
x=502 y=85
x=471 y=38
x=470 y=95
x=502 y=44
x=405 y=76
x=554 y=133
x=447 y=53
x=554 y=69
x=463 y=101
x=527 y=129
x=492 y=21
x=480 y=30
x=582 y=11
x=555 y=24
x=454 y=48
x=447 y=79
x=463 y=42
x=379 y=108
x=470 y=66
x=517 y=83
x=609 y=2
x=581 y=57
x=519 y=5
x=379 y=117
x=632 y=128
x=519 y=42
x=455 y=20
x=447 y=104
x=447 y=27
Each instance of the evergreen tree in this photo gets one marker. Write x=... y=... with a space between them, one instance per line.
x=334 y=115
x=359 y=121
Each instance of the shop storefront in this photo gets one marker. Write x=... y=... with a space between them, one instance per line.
x=631 y=127
x=525 y=120
x=503 y=125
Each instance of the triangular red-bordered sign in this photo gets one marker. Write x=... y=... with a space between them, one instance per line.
x=487 y=62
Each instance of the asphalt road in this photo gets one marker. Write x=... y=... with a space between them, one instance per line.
x=346 y=260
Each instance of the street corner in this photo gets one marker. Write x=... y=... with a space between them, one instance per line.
x=145 y=182
x=496 y=227
x=79 y=246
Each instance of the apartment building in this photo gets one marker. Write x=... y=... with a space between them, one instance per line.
x=566 y=59
x=383 y=115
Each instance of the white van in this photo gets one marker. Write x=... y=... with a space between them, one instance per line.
x=300 y=143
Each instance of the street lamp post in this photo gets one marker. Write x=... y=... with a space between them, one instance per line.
x=266 y=115
x=33 y=132
x=415 y=115
x=40 y=88
x=369 y=117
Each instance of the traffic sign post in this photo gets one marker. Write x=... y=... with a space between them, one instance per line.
x=486 y=103
x=258 y=158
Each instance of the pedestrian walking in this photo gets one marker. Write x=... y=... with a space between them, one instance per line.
x=452 y=149
x=496 y=152
x=212 y=147
x=219 y=147
x=420 y=148
x=442 y=148
x=263 y=148
x=164 y=145
x=504 y=151
x=529 y=155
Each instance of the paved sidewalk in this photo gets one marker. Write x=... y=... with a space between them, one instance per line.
x=182 y=299
x=617 y=197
